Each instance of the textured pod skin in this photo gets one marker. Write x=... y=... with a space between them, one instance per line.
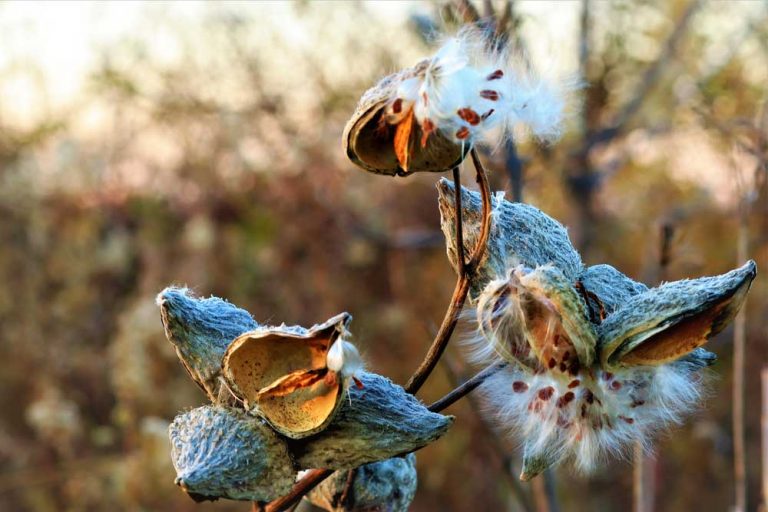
x=665 y=323
x=369 y=143
x=376 y=422
x=520 y=234
x=600 y=362
x=267 y=357
x=386 y=485
x=201 y=330
x=220 y=452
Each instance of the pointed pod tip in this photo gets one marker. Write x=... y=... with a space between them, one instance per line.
x=526 y=476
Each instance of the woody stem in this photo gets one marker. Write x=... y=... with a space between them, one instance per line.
x=451 y=317
x=315 y=476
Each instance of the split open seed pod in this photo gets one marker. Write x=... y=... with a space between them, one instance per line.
x=220 y=452
x=201 y=330
x=282 y=374
x=379 y=146
x=520 y=234
x=536 y=318
x=377 y=421
x=386 y=485
x=666 y=323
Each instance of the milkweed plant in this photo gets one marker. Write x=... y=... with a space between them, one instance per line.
x=579 y=362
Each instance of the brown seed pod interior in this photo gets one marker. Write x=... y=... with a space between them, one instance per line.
x=281 y=373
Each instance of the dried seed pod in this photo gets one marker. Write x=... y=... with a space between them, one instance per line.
x=377 y=421
x=520 y=234
x=377 y=146
x=536 y=318
x=224 y=453
x=608 y=289
x=201 y=330
x=386 y=485
x=666 y=323
x=282 y=374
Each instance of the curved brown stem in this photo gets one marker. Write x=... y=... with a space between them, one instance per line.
x=300 y=488
x=451 y=317
x=314 y=477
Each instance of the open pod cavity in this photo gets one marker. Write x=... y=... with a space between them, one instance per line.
x=220 y=452
x=281 y=373
x=666 y=323
x=535 y=318
x=373 y=144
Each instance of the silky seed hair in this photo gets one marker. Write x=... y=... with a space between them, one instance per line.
x=584 y=414
x=472 y=91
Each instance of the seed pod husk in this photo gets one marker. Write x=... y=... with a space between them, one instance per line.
x=520 y=234
x=220 y=452
x=386 y=485
x=201 y=330
x=376 y=422
x=536 y=318
x=281 y=374
x=611 y=288
x=665 y=323
x=369 y=142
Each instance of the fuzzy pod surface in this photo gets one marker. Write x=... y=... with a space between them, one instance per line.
x=201 y=330
x=385 y=485
x=376 y=422
x=220 y=452
x=520 y=234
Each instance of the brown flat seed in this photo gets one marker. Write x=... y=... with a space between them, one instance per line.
x=567 y=354
x=574 y=383
x=462 y=133
x=546 y=393
x=519 y=386
x=607 y=376
x=637 y=403
x=628 y=420
x=495 y=75
x=589 y=396
x=397 y=106
x=489 y=95
x=563 y=367
x=469 y=115
x=615 y=385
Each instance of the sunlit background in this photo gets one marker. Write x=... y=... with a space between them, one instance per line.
x=145 y=143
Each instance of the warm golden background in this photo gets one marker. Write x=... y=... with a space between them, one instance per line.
x=145 y=144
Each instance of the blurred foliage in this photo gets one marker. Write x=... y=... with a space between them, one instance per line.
x=221 y=169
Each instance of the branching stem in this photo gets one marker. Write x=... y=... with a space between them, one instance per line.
x=466 y=269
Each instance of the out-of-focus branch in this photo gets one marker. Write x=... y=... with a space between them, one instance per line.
x=764 y=423
x=649 y=79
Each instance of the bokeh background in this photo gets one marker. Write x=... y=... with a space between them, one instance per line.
x=148 y=144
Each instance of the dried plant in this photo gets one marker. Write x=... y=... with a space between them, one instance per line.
x=580 y=361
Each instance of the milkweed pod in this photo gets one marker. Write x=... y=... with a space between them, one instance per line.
x=201 y=330
x=536 y=318
x=535 y=463
x=520 y=234
x=372 y=143
x=668 y=322
x=608 y=289
x=281 y=373
x=386 y=485
x=220 y=452
x=377 y=421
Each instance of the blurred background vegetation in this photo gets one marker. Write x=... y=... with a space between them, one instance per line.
x=148 y=144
